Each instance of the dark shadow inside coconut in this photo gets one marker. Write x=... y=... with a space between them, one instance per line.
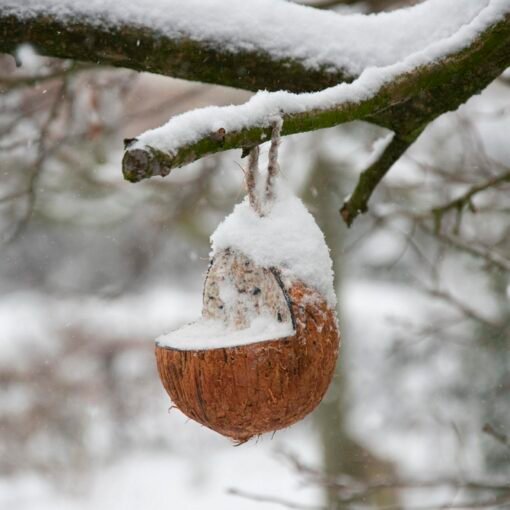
x=260 y=358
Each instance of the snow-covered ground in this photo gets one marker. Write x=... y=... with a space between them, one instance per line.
x=194 y=469
x=198 y=475
x=197 y=467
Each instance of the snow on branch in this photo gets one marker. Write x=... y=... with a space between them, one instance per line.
x=403 y=97
x=253 y=44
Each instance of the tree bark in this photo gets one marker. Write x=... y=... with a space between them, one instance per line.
x=143 y=49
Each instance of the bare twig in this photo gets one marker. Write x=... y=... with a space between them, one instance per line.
x=273 y=499
x=38 y=165
x=498 y=436
x=360 y=490
x=492 y=502
x=466 y=198
x=462 y=307
x=9 y=82
x=489 y=255
x=357 y=202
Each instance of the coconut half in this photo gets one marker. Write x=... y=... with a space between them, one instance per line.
x=260 y=358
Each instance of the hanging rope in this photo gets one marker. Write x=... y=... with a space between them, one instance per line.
x=251 y=174
x=272 y=165
x=262 y=204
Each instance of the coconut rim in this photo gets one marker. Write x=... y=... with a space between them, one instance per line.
x=229 y=347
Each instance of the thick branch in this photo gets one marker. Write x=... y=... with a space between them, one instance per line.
x=253 y=44
x=408 y=97
x=91 y=37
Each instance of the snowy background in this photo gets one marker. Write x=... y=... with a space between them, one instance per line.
x=93 y=269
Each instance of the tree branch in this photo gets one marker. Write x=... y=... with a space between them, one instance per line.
x=8 y=82
x=255 y=45
x=92 y=37
x=357 y=202
x=403 y=97
x=464 y=309
x=465 y=199
x=490 y=256
x=498 y=436
x=501 y=494
x=408 y=97
x=260 y=498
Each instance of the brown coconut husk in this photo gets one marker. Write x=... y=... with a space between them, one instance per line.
x=247 y=390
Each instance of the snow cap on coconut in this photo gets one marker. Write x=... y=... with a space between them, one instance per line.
x=287 y=238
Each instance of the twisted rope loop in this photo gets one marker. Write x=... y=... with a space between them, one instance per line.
x=262 y=200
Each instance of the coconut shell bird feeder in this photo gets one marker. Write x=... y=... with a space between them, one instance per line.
x=263 y=353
